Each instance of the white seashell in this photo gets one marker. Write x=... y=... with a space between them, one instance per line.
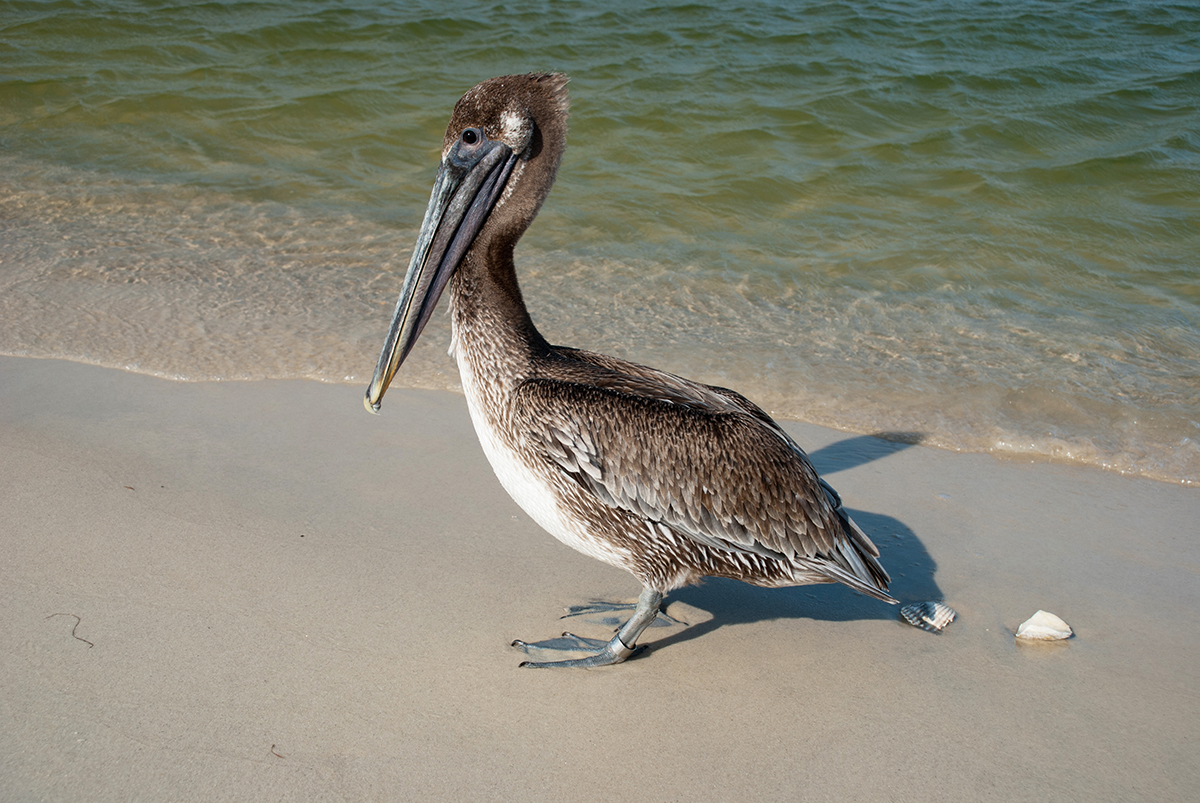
x=931 y=616
x=1044 y=626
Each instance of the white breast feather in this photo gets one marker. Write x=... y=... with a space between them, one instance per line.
x=529 y=490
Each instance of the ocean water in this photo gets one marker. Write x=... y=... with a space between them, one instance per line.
x=972 y=224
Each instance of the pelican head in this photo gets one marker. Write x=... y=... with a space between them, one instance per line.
x=498 y=130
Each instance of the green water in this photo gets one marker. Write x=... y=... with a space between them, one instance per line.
x=974 y=222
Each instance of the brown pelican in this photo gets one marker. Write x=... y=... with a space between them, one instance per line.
x=666 y=478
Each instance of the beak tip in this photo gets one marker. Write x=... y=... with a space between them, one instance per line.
x=372 y=407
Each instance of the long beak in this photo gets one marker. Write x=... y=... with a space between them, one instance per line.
x=468 y=185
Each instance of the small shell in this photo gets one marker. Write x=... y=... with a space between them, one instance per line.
x=1044 y=626
x=931 y=616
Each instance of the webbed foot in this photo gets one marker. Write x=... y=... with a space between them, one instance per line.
x=600 y=653
x=600 y=606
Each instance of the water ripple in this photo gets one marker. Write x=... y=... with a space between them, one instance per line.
x=978 y=220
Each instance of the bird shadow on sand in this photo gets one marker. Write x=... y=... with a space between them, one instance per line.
x=901 y=552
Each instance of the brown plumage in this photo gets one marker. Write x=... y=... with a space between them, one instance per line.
x=667 y=478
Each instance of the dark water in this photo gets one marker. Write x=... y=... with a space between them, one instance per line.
x=974 y=221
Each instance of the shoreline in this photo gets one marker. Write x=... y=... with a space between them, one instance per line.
x=1051 y=451
x=222 y=591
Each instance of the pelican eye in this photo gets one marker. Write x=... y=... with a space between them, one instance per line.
x=471 y=136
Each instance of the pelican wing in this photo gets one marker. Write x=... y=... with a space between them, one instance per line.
x=701 y=460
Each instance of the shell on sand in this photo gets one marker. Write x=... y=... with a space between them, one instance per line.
x=931 y=616
x=1044 y=626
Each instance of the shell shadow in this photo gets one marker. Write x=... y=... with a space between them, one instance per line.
x=910 y=565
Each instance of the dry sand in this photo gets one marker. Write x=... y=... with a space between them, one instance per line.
x=256 y=591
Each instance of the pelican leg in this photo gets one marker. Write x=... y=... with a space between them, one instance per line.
x=620 y=647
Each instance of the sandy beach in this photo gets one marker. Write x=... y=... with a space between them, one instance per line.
x=256 y=591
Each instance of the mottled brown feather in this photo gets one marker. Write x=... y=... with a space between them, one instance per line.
x=701 y=460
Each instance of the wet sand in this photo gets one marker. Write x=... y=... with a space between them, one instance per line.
x=256 y=591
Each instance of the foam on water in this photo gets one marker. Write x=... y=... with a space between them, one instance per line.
x=977 y=224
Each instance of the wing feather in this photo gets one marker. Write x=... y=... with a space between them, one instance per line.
x=701 y=460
